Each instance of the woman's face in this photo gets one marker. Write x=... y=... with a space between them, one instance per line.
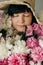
x=20 y=20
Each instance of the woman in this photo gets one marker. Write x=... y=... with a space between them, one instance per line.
x=22 y=36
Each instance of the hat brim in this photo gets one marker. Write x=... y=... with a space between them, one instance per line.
x=5 y=4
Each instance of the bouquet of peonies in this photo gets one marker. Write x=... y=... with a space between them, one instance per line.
x=20 y=52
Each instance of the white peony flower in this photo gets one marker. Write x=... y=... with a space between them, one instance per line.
x=6 y=47
x=39 y=63
x=20 y=47
x=9 y=52
x=31 y=63
x=17 y=37
x=8 y=43
x=3 y=49
x=0 y=34
x=41 y=43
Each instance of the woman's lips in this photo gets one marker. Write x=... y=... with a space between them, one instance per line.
x=21 y=25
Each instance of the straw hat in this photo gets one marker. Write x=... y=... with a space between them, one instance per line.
x=4 y=4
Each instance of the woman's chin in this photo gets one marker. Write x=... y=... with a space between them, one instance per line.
x=21 y=29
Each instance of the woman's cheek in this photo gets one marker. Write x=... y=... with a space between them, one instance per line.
x=28 y=21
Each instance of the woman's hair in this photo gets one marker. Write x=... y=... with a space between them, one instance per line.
x=18 y=8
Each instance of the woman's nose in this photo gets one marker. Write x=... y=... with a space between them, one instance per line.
x=21 y=19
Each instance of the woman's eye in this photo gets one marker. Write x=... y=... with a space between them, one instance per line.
x=15 y=15
x=26 y=15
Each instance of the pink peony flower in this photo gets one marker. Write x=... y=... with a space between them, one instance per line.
x=4 y=61
x=38 y=29
x=37 y=54
x=32 y=42
x=1 y=62
x=29 y=31
x=16 y=59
